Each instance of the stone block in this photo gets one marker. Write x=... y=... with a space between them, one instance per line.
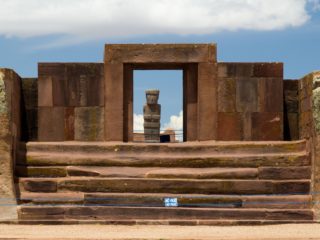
x=273 y=70
x=229 y=126
x=159 y=53
x=285 y=173
x=89 y=124
x=267 y=126
x=31 y=125
x=51 y=124
x=30 y=92
x=36 y=185
x=69 y=123
x=178 y=186
x=190 y=98
x=246 y=126
x=247 y=94
x=60 y=94
x=270 y=95
x=291 y=126
x=278 y=202
x=291 y=85
x=291 y=101
x=72 y=84
x=227 y=95
x=235 y=70
x=50 y=85
x=45 y=92
x=48 y=69
x=207 y=101
x=85 y=84
x=114 y=111
x=45 y=172
x=291 y=187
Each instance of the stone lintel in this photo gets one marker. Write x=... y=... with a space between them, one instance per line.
x=160 y=53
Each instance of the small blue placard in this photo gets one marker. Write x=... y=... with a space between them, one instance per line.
x=171 y=202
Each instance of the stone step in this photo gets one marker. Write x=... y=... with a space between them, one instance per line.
x=209 y=147
x=184 y=186
x=165 y=160
x=156 y=213
x=158 y=200
x=220 y=222
x=168 y=173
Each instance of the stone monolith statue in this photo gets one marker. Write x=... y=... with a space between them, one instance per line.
x=151 y=115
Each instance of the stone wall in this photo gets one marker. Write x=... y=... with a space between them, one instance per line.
x=291 y=110
x=306 y=127
x=71 y=102
x=250 y=101
x=10 y=90
x=309 y=128
x=29 y=109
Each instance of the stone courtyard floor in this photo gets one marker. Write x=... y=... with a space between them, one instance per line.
x=287 y=232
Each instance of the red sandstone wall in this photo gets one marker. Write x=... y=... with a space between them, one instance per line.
x=250 y=101
x=71 y=101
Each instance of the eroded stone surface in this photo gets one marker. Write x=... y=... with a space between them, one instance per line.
x=89 y=124
x=9 y=135
x=316 y=101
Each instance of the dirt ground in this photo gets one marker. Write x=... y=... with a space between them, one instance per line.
x=287 y=232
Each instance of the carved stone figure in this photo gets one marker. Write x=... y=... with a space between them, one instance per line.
x=151 y=115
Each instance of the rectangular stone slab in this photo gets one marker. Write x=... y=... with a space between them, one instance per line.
x=166 y=161
x=96 y=213
x=183 y=186
x=51 y=124
x=160 y=53
x=229 y=126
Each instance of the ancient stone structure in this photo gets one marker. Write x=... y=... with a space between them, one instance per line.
x=251 y=150
x=151 y=116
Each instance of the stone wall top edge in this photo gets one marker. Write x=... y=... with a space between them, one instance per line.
x=310 y=74
x=29 y=78
x=250 y=63
x=3 y=70
x=69 y=63
x=191 y=45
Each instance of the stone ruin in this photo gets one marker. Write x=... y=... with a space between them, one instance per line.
x=250 y=143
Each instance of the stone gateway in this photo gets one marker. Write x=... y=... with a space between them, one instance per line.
x=250 y=150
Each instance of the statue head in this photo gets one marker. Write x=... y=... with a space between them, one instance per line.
x=152 y=96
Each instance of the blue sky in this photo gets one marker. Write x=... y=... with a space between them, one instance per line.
x=33 y=31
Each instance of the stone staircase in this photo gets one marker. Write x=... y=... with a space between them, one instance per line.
x=204 y=183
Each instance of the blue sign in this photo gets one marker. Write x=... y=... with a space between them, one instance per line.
x=171 y=202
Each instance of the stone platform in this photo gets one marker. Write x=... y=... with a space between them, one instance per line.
x=127 y=183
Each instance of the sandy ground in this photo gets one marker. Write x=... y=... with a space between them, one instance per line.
x=287 y=232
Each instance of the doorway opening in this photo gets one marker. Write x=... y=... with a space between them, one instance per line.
x=170 y=85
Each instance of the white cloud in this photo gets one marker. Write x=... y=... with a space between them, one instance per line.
x=138 y=122
x=176 y=122
x=83 y=20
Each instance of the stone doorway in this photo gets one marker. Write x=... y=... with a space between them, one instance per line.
x=198 y=63
x=170 y=85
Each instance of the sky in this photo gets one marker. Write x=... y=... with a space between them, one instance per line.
x=33 y=31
